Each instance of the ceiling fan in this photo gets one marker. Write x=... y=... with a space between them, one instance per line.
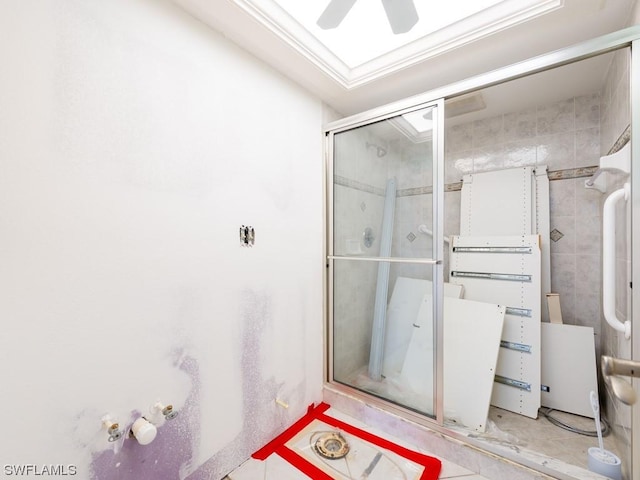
x=402 y=14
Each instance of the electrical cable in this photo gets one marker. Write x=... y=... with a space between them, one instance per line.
x=558 y=423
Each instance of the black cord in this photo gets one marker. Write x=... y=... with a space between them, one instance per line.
x=558 y=423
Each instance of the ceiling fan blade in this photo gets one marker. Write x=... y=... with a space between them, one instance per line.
x=334 y=13
x=402 y=15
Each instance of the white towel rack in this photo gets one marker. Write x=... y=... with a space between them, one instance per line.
x=609 y=260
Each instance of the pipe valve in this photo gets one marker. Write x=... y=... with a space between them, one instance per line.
x=167 y=410
x=113 y=429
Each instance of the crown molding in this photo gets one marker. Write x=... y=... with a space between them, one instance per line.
x=500 y=17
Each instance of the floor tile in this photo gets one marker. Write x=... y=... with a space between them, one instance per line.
x=273 y=468
x=451 y=470
x=276 y=468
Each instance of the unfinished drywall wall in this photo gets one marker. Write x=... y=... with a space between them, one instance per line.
x=134 y=142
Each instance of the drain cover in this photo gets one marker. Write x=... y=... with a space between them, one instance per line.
x=332 y=445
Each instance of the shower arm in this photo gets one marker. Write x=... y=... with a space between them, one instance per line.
x=423 y=229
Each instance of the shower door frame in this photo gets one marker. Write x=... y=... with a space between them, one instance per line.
x=629 y=37
x=436 y=261
x=634 y=85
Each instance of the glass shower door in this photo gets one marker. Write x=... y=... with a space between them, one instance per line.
x=383 y=252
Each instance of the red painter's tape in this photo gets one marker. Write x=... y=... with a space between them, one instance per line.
x=432 y=466
x=292 y=431
x=302 y=464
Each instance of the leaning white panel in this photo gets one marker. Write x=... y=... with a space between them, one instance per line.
x=506 y=270
x=513 y=201
x=471 y=342
x=402 y=313
x=499 y=202
x=568 y=368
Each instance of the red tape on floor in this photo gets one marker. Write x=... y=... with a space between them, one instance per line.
x=292 y=431
x=302 y=464
x=432 y=466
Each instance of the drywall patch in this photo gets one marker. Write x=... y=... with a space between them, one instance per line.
x=261 y=418
x=169 y=456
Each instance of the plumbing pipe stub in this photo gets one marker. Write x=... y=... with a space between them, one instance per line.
x=169 y=413
x=144 y=431
x=332 y=446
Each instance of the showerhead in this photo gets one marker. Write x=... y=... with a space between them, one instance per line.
x=380 y=152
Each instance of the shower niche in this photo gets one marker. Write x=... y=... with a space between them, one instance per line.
x=410 y=329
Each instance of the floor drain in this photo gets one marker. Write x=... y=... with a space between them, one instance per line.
x=332 y=446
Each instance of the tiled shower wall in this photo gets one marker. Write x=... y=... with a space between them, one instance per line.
x=359 y=185
x=413 y=167
x=562 y=135
x=360 y=178
x=615 y=115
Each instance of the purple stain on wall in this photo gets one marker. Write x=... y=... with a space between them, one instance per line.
x=259 y=421
x=169 y=456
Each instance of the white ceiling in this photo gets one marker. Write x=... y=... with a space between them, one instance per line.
x=568 y=22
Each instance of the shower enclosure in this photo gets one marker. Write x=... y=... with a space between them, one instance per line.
x=384 y=236
x=396 y=335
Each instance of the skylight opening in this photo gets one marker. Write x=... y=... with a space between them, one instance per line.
x=365 y=33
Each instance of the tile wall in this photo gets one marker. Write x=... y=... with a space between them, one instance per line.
x=615 y=116
x=360 y=176
x=359 y=185
x=412 y=165
x=562 y=135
